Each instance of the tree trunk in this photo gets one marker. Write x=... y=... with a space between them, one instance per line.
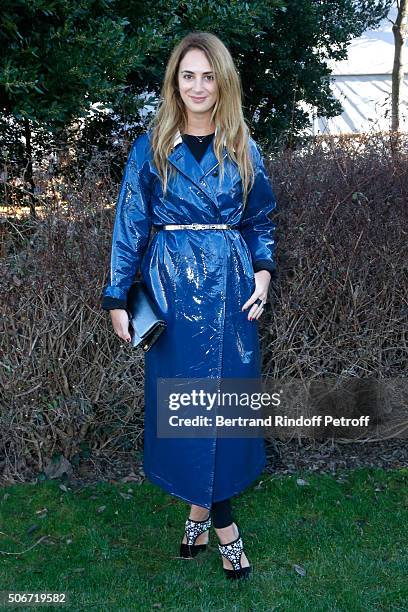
x=399 y=31
x=28 y=170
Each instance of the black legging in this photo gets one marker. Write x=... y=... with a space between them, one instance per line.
x=221 y=513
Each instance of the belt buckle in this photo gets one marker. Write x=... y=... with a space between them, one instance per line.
x=205 y=225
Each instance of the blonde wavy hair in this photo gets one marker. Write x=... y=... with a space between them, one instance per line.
x=231 y=128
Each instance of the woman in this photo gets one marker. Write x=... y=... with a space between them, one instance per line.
x=197 y=164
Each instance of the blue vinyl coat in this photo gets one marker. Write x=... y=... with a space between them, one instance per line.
x=199 y=280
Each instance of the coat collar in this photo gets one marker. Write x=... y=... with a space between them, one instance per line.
x=182 y=158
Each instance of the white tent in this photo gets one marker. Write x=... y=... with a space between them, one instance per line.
x=362 y=84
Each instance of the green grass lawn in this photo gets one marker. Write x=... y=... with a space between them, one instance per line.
x=114 y=547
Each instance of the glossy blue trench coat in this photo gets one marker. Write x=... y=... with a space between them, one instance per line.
x=199 y=280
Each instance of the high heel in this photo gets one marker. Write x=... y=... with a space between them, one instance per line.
x=233 y=552
x=192 y=530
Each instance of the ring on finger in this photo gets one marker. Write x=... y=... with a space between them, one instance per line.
x=258 y=310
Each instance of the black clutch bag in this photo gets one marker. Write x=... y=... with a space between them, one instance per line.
x=145 y=325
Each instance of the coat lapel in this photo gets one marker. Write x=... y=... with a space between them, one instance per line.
x=182 y=158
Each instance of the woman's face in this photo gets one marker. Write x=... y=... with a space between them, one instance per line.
x=196 y=81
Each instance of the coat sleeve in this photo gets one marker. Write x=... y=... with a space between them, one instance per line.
x=256 y=227
x=131 y=231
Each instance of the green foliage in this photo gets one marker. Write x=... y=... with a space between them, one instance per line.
x=61 y=56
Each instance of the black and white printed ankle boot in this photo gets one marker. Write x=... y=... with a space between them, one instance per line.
x=233 y=552
x=192 y=530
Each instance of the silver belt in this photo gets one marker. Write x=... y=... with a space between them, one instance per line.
x=198 y=226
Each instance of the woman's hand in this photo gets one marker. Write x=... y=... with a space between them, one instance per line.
x=120 y=322
x=262 y=280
